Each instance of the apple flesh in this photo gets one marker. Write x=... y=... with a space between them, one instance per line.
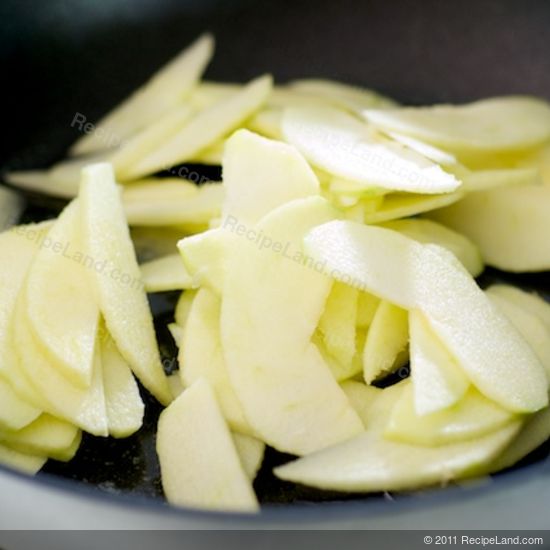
x=164 y=274
x=28 y=464
x=251 y=452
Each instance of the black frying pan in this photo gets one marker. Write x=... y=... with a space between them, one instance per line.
x=66 y=56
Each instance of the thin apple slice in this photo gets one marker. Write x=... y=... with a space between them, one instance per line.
x=260 y=174
x=386 y=347
x=485 y=180
x=432 y=280
x=470 y=418
x=166 y=273
x=46 y=436
x=500 y=124
x=199 y=463
x=122 y=299
x=510 y=225
x=211 y=156
x=176 y=387
x=201 y=356
x=183 y=307
x=154 y=242
x=268 y=122
x=60 y=275
x=429 y=232
x=122 y=399
x=205 y=129
x=343 y=146
x=371 y=463
x=251 y=452
x=288 y=393
x=367 y=304
x=15 y=413
x=361 y=398
x=438 y=381
x=340 y=371
x=28 y=464
x=11 y=207
x=168 y=87
x=208 y=92
x=176 y=332
x=39 y=181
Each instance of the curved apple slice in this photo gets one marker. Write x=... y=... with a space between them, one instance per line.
x=166 y=273
x=343 y=146
x=494 y=356
x=251 y=452
x=120 y=292
x=287 y=391
x=183 y=307
x=199 y=463
x=28 y=464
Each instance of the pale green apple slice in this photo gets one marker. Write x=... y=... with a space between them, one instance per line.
x=339 y=370
x=267 y=122
x=402 y=205
x=260 y=174
x=201 y=356
x=367 y=304
x=337 y=323
x=510 y=225
x=11 y=207
x=429 y=232
x=39 y=181
x=122 y=399
x=199 y=463
x=28 y=464
x=470 y=418
x=15 y=413
x=438 y=382
x=167 y=88
x=435 y=154
x=386 y=346
x=46 y=436
x=122 y=299
x=211 y=156
x=176 y=332
x=251 y=452
x=361 y=398
x=343 y=146
x=287 y=391
x=206 y=128
x=208 y=92
x=60 y=275
x=172 y=202
x=492 y=353
x=499 y=124
x=485 y=180
x=371 y=463
x=176 y=387
x=183 y=307
x=166 y=273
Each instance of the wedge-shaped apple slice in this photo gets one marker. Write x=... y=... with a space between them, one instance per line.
x=60 y=275
x=28 y=464
x=286 y=389
x=386 y=346
x=438 y=382
x=429 y=232
x=260 y=174
x=371 y=463
x=199 y=463
x=183 y=307
x=46 y=436
x=205 y=129
x=484 y=218
x=499 y=124
x=163 y=91
x=120 y=292
x=201 y=356
x=11 y=206
x=166 y=273
x=122 y=399
x=472 y=417
x=39 y=181
x=367 y=304
x=341 y=145
x=15 y=413
x=492 y=353
x=251 y=452
x=340 y=371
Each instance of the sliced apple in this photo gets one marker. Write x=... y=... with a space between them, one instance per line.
x=39 y=181
x=28 y=464
x=430 y=279
x=166 y=273
x=340 y=144
x=286 y=389
x=386 y=346
x=485 y=180
x=251 y=452
x=199 y=463
x=15 y=413
x=183 y=307
x=163 y=91
x=367 y=304
x=205 y=129
x=211 y=156
x=371 y=463
x=438 y=382
x=176 y=387
x=120 y=292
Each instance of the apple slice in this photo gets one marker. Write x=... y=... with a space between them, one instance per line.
x=205 y=129
x=162 y=92
x=371 y=463
x=508 y=224
x=268 y=122
x=60 y=275
x=472 y=417
x=120 y=292
x=429 y=232
x=211 y=156
x=11 y=207
x=367 y=304
x=430 y=279
x=15 y=413
x=176 y=387
x=343 y=146
x=260 y=174
x=28 y=464
x=386 y=346
x=438 y=381
x=251 y=452
x=201 y=356
x=183 y=307
x=485 y=180
x=166 y=273
x=500 y=124
x=208 y=92
x=199 y=463
x=39 y=181
x=286 y=389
